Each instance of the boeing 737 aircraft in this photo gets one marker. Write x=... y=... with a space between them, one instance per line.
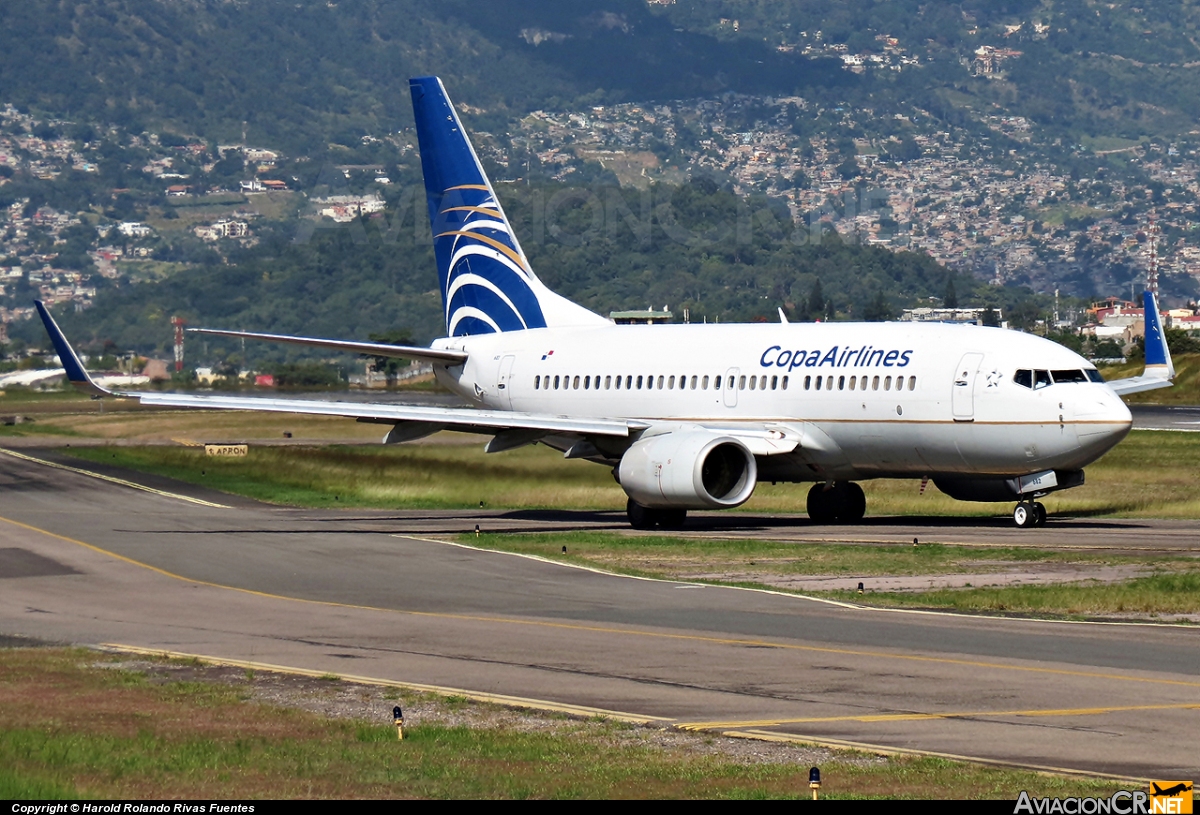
x=694 y=416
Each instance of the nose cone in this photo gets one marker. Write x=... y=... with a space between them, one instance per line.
x=1101 y=420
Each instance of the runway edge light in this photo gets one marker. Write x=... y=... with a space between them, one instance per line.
x=814 y=781
x=398 y=719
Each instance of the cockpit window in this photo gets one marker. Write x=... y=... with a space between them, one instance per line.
x=1094 y=375
x=1041 y=379
x=1024 y=378
x=1068 y=376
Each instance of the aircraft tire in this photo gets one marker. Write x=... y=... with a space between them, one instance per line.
x=671 y=519
x=640 y=517
x=853 y=504
x=1024 y=515
x=820 y=505
x=1039 y=513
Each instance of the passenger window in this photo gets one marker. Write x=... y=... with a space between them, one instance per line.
x=887 y=383
x=576 y=384
x=875 y=383
x=556 y=382
x=741 y=383
x=807 y=382
x=536 y=381
x=671 y=383
x=608 y=382
x=629 y=382
x=704 y=384
x=660 y=382
x=829 y=383
x=762 y=383
x=774 y=383
x=753 y=382
x=639 y=383
x=587 y=381
x=841 y=383
x=912 y=383
x=1041 y=379
x=853 y=379
x=694 y=381
x=784 y=383
x=819 y=380
x=1024 y=378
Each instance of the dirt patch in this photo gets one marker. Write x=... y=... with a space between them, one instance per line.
x=1007 y=575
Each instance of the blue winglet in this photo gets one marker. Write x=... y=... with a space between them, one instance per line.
x=1157 y=353
x=76 y=374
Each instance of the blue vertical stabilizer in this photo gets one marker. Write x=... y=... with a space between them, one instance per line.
x=486 y=283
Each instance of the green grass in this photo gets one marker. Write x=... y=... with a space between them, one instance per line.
x=682 y=555
x=1149 y=475
x=1185 y=391
x=1159 y=594
x=74 y=730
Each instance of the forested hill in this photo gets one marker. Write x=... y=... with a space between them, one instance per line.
x=702 y=249
x=298 y=73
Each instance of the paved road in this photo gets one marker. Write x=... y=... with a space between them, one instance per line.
x=1161 y=417
x=368 y=593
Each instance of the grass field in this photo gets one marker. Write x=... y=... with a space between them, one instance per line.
x=1149 y=475
x=78 y=724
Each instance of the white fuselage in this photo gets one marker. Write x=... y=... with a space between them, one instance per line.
x=871 y=399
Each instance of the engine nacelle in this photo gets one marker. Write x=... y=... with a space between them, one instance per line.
x=688 y=470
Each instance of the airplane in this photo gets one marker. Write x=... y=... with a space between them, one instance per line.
x=694 y=416
x=1157 y=791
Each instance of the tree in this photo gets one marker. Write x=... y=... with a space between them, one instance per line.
x=879 y=309
x=990 y=317
x=950 y=299
x=390 y=366
x=816 y=301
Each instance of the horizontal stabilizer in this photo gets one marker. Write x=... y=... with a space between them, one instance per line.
x=375 y=349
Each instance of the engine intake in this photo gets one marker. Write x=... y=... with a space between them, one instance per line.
x=688 y=470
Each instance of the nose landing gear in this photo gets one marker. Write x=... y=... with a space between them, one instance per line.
x=1029 y=513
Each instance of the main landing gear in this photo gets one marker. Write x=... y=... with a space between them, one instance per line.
x=841 y=503
x=1029 y=513
x=641 y=517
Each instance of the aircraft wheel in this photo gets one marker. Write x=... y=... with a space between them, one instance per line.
x=671 y=518
x=853 y=503
x=1039 y=513
x=640 y=517
x=820 y=505
x=1025 y=515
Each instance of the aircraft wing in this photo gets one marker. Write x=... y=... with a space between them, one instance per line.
x=378 y=349
x=1160 y=370
x=412 y=421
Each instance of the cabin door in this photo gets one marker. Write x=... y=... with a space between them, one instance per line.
x=962 y=397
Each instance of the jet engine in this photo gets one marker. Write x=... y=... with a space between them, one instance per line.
x=688 y=470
